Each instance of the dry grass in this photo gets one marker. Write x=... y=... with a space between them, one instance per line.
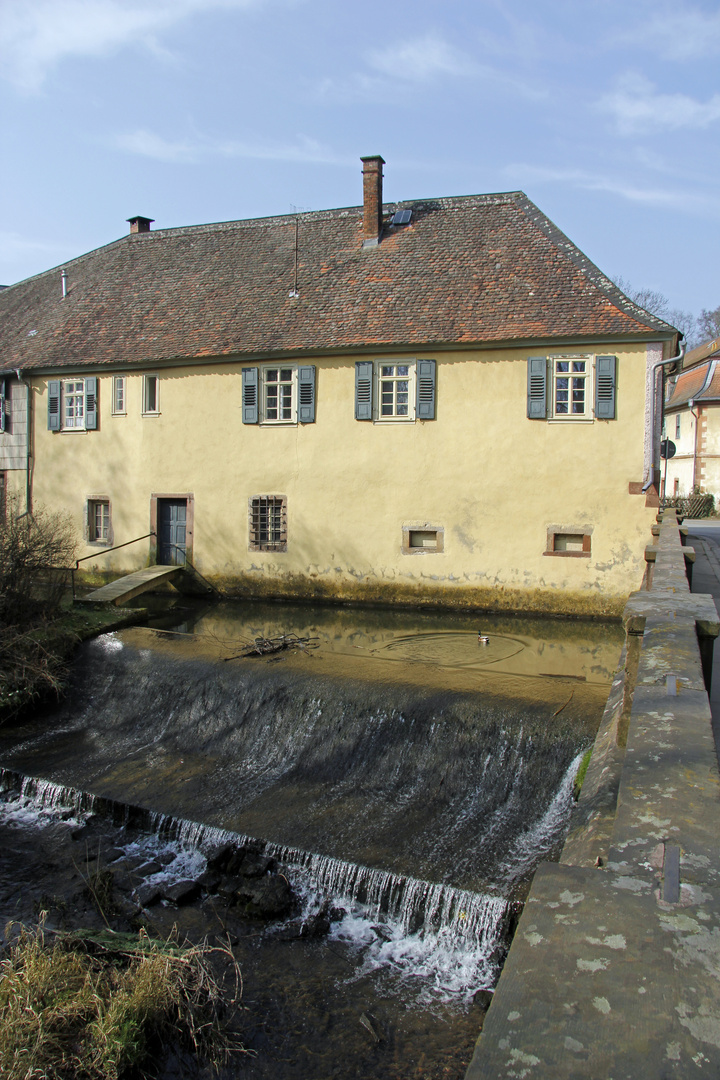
x=100 y=1006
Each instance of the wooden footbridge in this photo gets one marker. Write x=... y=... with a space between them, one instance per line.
x=184 y=578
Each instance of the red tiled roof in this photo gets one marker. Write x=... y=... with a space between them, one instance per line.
x=467 y=270
x=708 y=350
x=701 y=383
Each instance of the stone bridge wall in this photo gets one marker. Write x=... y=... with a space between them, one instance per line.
x=615 y=967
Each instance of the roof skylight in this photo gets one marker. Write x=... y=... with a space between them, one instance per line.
x=402 y=217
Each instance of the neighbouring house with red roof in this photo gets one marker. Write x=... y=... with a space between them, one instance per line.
x=692 y=423
x=436 y=401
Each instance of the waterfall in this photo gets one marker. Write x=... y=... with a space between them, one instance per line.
x=423 y=782
x=457 y=917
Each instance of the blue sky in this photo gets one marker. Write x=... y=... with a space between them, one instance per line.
x=606 y=113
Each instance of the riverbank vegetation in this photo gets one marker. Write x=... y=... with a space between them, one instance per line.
x=39 y=628
x=35 y=553
x=102 y=1006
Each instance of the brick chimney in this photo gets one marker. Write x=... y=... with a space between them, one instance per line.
x=140 y=224
x=372 y=200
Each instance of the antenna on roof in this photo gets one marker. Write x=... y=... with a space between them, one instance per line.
x=297 y=210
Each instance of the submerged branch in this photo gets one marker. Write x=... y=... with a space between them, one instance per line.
x=261 y=646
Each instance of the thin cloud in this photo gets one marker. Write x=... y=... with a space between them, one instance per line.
x=35 y=35
x=305 y=149
x=398 y=69
x=13 y=244
x=637 y=107
x=420 y=59
x=16 y=250
x=148 y=144
x=588 y=181
x=680 y=34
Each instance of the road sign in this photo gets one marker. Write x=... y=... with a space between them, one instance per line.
x=667 y=449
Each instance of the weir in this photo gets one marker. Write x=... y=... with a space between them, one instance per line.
x=413 y=776
x=427 y=771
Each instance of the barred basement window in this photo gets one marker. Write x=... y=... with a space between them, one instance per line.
x=268 y=523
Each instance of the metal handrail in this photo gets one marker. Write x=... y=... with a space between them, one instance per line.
x=194 y=569
x=105 y=551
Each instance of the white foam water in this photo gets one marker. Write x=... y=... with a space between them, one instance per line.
x=454 y=952
x=444 y=941
x=538 y=840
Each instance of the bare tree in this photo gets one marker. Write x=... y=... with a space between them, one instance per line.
x=709 y=324
x=658 y=304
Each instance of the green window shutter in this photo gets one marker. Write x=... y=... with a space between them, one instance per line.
x=306 y=395
x=537 y=387
x=3 y=424
x=53 y=419
x=605 y=381
x=425 y=390
x=363 y=390
x=91 y=416
x=249 y=395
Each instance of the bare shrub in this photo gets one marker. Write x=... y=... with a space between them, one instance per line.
x=36 y=551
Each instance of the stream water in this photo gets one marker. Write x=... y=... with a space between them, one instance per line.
x=403 y=769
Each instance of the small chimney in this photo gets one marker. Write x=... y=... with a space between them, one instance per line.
x=140 y=224
x=372 y=200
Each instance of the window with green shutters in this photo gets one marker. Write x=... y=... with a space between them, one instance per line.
x=394 y=390
x=571 y=387
x=72 y=404
x=278 y=394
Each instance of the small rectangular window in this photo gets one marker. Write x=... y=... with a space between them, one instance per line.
x=98 y=521
x=118 y=401
x=677 y=426
x=568 y=543
x=424 y=538
x=268 y=523
x=151 y=404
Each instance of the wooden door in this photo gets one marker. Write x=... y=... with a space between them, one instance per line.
x=172 y=532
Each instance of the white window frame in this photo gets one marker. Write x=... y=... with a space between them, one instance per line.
x=678 y=425
x=95 y=534
x=577 y=381
x=145 y=394
x=271 y=403
x=71 y=397
x=395 y=379
x=119 y=395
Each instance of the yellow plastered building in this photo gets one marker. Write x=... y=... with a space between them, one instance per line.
x=433 y=402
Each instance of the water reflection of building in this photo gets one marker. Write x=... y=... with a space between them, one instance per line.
x=433 y=401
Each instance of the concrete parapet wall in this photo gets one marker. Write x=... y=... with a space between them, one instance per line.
x=615 y=967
